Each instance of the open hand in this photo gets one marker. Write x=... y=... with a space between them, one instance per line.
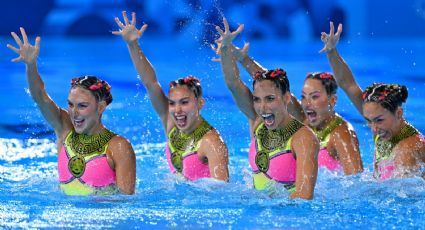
x=128 y=31
x=237 y=52
x=27 y=52
x=226 y=37
x=331 y=39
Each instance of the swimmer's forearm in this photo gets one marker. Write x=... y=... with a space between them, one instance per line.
x=295 y=109
x=142 y=64
x=240 y=92
x=345 y=79
x=342 y=72
x=250 y=65
x=230 y=70
x=35 y=83
x=148 y=77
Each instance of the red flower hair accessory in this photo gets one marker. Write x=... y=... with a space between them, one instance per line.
x=271 y=74
x=189 y=78
x=96 y=86
x=326 y=76
x=258 y=75
x=276 y=73
x=185 y=81
x=364 y=95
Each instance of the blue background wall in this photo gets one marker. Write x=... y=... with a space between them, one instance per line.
x=299 y=20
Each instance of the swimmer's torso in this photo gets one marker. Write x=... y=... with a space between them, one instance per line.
x=182 y=152
x=83 y=167
x=271 y=157
x=384 y=154
x=325 y=158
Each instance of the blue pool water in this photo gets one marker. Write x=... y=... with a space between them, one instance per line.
x=29 y=194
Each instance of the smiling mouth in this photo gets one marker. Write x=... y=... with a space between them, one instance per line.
x=268 y=118
x=181 y=120
x=382 y=134
x=311 y=115
x=78 y=122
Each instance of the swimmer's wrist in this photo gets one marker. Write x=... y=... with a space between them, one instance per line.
x=133 y=44
x=331 y=51
x=224 y=49
x=31 y=65
x=332 y=54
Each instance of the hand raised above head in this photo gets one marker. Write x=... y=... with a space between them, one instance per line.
x=27 y=52
x=237 y=52
x=226 y=36
x=331 y=39
x=128 y=30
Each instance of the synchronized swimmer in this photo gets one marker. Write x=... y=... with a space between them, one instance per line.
x=92 y=160
x=290 y=139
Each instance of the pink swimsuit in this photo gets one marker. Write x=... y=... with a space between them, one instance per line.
x=282 y=166
x=271 y=157
x=384 y=155
x=193 y=168
x=182 y=152
x=97 y=176
x=325 y=159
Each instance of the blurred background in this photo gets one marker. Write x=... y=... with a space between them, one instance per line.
x=299 y=20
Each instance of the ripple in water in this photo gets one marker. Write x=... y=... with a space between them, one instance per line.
x=30 y=197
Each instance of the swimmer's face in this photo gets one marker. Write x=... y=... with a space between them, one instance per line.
x=318 y=106
x=84 y=111
x=270 y=104
x=183 y=108
x=382 y=122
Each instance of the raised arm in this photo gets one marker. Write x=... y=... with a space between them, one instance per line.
x=241 y=55
x=342 y=72
x=240 y=92
x=246 y=61
x=252 y=67
x=55 y=116
x=147 y=74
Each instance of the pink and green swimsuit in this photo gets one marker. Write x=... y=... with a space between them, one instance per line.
x=271 y=157
x=384 y=155
x=325 y=159
x=182 y=155
x=83 y=167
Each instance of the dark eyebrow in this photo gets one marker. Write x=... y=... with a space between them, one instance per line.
x=374 y=119
x=316 y=91
x=181 y=99
x=184 y=98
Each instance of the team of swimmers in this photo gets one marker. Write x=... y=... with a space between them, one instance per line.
x=290 y=139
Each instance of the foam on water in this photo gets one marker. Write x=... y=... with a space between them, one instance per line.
x=30 y=197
